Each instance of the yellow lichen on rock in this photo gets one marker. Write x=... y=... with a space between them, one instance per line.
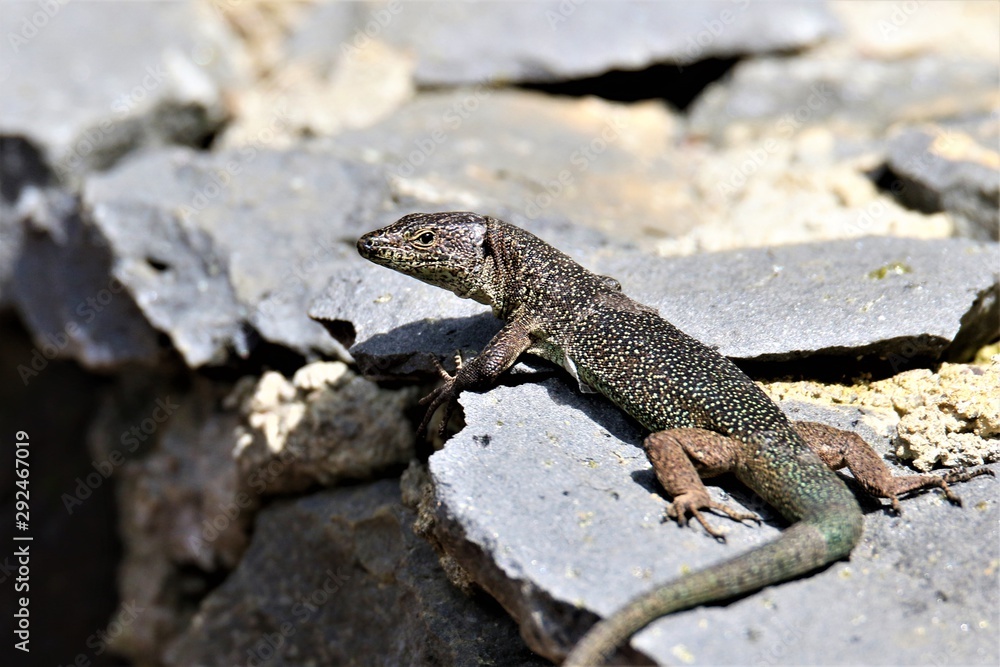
x=951 y=417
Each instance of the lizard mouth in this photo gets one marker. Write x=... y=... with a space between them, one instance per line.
x=376 y=248
x=367 y=246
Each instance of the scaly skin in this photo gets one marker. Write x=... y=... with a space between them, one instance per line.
x=705 y=415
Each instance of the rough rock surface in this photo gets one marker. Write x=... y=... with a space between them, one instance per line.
x=456 y=43
x=179 y=519
x=338 y=577
x=212 y=457
x=153 y=76
x=65 y=290
x=226 y=250
x=324 y=427
x=949 y=417
x=952 y=168
x=899 y=299
x=578 y=476
x=594 y=162
x=858 y=98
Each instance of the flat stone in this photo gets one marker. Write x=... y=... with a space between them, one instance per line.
x=457 y=43
x=340 y=577
x=891 y=298
x=901 y=300
x=557 y=514
x=83 y=103
x=223 y=252
x=859 y=98
x=952 y=168
x=594 y=162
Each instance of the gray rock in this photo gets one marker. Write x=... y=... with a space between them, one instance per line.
x=596 y=163
x=860 y=98
x=11 y=240
x=83 y=103
x=218 y=250
x=889 y=297
x=64 y=290
x=183 y=511
x=954 y=169
x=198 y=465
x=339 y=577
x=325 y=427
x=20 y=170
x=459 y=43
x=556 y=513
x=898 y=299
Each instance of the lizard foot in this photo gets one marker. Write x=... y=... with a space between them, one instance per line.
x=960 y=475
x=443 y=395
x=690 y=504
x=915 y=482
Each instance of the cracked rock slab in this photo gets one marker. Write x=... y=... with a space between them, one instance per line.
x=224 y=252
x=456 y=43
x=558 y=515
x=902 y=300
x=956 y=169
x=595 y=162
x=860 y=98
x=337 y=578
x=63 y=287
x=86 y=83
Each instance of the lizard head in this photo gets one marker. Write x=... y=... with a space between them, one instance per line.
x=443 y=249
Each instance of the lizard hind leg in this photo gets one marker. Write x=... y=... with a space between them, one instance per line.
x=839 y=448
x=681 y=457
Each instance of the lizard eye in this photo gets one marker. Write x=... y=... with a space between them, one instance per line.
x=425 y=239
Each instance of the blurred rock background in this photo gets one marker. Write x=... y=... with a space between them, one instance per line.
x=216 y=479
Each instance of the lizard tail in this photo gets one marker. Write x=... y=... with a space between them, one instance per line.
x=803 y=547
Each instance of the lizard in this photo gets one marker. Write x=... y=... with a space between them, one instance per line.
x=705 y=416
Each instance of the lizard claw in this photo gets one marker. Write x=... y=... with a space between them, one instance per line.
x=960 y=475
x=690 y=504
x=442 y=395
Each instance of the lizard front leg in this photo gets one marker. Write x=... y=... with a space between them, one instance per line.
x=839 y=448
x=681 y=457
x=498 y=355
